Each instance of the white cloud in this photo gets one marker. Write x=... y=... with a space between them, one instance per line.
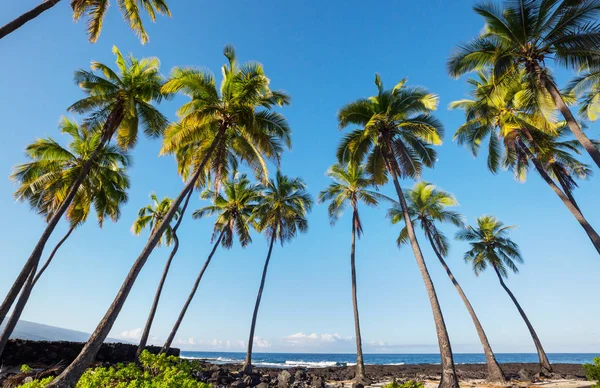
x=134 y=334
x=261 y=342
x=314 y=339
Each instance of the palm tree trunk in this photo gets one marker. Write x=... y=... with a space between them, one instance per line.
x=27 y=16
x=550 y=86
x=495 y=373
x=25 y=293
x=112 y=123
x=19 y=306
x=69 y=377
x=544 y=363
x=247 y=368
x=591 y=232
x=360 y=365
x=171 y=337
x=449 y=378
x=47 y=263
x=567 y=192
x=148 y=326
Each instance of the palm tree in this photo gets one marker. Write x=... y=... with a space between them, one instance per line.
x=428 y=205
x=351 y=185
x=587 y=86
x=117 y=102
x=504 y=111
x=281 y=214
x=45 y=180
x=235 y=119
x=234 y=207
x=396 y=137
x=94 y=11
x=522 y=35
x=150 y=216
x=490 y=245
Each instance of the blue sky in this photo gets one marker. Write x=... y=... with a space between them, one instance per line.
x=324 y=54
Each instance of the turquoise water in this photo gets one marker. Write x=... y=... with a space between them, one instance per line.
x=282 y=360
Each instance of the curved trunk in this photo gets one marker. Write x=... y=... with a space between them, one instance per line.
x=19 y=306
x=360 y=365
x=70 y=376
x=25 y=293
x=112 y=123
x=148 y=326
x=247 y=368
x=591 y=232
x=495 y=373
x=550 y=86
x=449 y=378
x=27 y=16
x=171 y=337
x=568 y=193
x=544 y=363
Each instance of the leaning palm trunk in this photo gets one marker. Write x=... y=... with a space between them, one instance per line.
x=73 y=372
x=591 y=232
x=544 y=363
x=19 y=306
x=112 y=123
x=449 y=378
x=146 y=332
x=25 y=293
x=495 y=373
x=26 y=17
x=360 y=365
x=171 y=337
x=550 y=86
x=247 y=368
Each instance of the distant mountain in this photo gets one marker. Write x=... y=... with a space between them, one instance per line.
x=40 y=332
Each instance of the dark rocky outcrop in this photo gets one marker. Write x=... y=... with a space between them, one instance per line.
x=18 y=352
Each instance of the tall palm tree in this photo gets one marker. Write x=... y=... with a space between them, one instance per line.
x=504 y=112
x=491 y=245
x=150 y=216
x=427 y=206
x=281 y=214
x=351 y=185
x=523 y=35
x=118 y=102
x=236 y=118
x=94 y=11
x=45 y=180
x=234 y=207
x=396 y=137
x=587 y=86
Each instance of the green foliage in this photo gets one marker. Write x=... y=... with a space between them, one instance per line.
x=26 y=368
x=407 y=384
x=38 y=383
x=154 y=371
x=592 y=372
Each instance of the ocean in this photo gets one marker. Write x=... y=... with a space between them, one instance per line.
x=321 y=360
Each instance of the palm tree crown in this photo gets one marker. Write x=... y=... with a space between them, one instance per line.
x=523 y=34
x=234 y=206
x=587 y=87
x=427 y=205
x=151 y=216
x=127 y=95
x=45 y=181
x=397 y=128
x=282 y=208
x=491 y=245
x=131 y=9
x=350 y=186
x=235 y=119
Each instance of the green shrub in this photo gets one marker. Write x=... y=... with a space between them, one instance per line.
x=25 y=368
x=592 y=372
x=154 y=371
x=407 y=384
